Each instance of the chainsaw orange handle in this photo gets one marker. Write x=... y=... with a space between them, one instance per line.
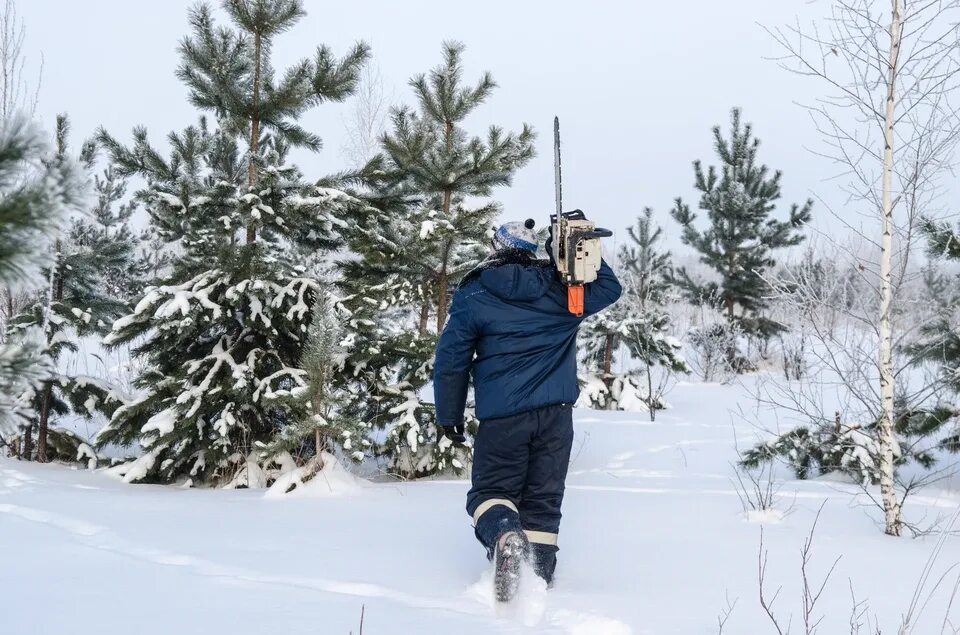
x=575 y=299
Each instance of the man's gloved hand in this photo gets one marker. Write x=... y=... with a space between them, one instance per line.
x=454 y=433
x=548 y=246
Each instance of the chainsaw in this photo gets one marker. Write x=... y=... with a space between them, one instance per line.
x=576 y=240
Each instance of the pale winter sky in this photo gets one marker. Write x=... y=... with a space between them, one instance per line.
x=637 y=84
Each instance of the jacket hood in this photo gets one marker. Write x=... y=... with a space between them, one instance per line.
x=517 y=282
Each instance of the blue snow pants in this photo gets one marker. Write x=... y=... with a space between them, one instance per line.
x=519 y=468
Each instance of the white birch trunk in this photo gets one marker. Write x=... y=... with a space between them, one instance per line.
x=887 y=434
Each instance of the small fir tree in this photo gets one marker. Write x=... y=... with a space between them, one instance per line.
x=637 y=322
x=740 y=198
x=330 y=425
x=430 y=153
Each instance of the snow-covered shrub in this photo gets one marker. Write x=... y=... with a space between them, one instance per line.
x=715 y=352
x=67 y=446
x=793 y=355
x=386 y=365
x=618 y=392
x=820 y=451
x=852 y=449
x=322 y=475
x=412 y=441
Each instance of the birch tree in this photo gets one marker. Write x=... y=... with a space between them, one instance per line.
x=16 y=92
x=889 y=69
x=367 y=121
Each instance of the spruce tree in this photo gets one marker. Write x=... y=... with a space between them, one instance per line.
x=223 y=330
x=74 y=303
x=430 y=152
x=36 y=195
x=740 y=198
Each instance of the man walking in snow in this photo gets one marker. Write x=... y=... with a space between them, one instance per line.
x=511 y=312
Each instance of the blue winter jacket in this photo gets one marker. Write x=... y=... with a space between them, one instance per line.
x=514 y=317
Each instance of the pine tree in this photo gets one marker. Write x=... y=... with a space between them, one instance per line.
x=409 y=255
x=73 y=304
x=117 y=252
x=637 y=322
x=332 y=425
x=224 y=330
x=647 y=271
x=37 y=193
x=229 y=72
x=939 y=343
x=388 y=361
x=437 y=160
x=740 y=198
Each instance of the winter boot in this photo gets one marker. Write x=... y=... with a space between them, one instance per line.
x=512 y=551
x=544 y=558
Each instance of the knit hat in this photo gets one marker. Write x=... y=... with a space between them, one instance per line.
x=516 y=235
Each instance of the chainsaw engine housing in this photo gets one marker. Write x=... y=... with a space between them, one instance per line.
x=576 y=247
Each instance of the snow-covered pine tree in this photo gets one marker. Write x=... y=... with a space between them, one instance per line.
x=332 y=427
x=740 y=197
x=117 y=252
x=224 y=330
x=74 y=303
x=435 y=157
x=939 y=342
x=639 y=323
x=36 y=195
x=412 y=254
x=827 y=445
x=388 y=360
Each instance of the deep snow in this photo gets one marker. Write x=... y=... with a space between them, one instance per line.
x=653 y=541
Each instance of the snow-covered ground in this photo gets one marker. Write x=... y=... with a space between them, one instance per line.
x=653 y=541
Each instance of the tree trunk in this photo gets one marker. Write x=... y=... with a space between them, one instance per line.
x=728 y=296
x=887 y=432
x=43 y=425
x=651 y=402
x=608 y=359
x=9 y=308
x=56 y=296
x=443 y=284
x=255 y=127
x=27 y=453
x=424 y=316
x=443 y=281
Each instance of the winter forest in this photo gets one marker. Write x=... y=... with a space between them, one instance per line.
x=216 y=361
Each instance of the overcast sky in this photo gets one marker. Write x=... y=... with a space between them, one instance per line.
x=637 y=84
